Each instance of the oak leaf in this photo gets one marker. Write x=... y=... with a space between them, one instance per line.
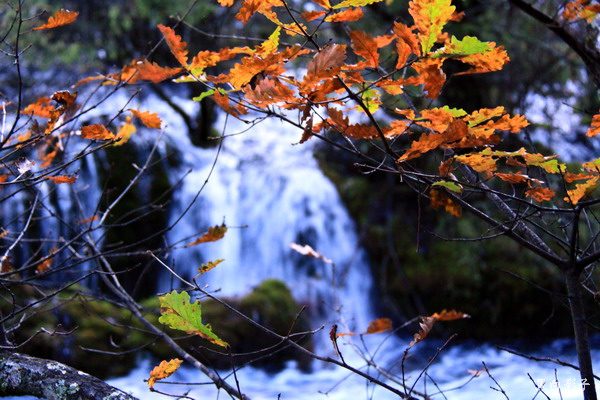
x=594 y=127
x=96 y=132
x=380 y=325
x=574 y=196
x=354 y=3
x=149 y=119
x=540 y=194
x=214 y=234
x=163 y=370
x=60 y=18
x=176 y=44
x=430 y=17
x=178 y=312
x=366 y=47
x=348 y=15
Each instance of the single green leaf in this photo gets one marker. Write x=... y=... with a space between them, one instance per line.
x=354 y=3
x=469 y=45
x=455 y=112
x=204 y=95
x=451 y=186
x=177 y=312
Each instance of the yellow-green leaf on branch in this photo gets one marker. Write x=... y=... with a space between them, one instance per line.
x=451 y=186
x=430 y=17
x=178 y=312
x=354 y=3
x=204 y=268
x=468 y=46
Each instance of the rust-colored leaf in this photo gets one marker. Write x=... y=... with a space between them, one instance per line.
x=58 y=179
x=449 y=315
x=426 y=324
x=214 y=233
x=347 y=15
x=366 y=47
x=43 y=108
x=594 y=127
x=176 y=44
x=163 y=370
x=540 y=194
x=60 y=18
x=96 y=132
x=326 y=63
x=149 y=119
x=380 y=325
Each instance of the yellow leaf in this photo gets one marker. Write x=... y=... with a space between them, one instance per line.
x=354 y=3
x=163 y=371
x=430 y=17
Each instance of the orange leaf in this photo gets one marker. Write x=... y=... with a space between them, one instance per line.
x=149 y=119
x=492 y=60
x=58 y=179
x=366 y=47
x=348 y=15
x=163 y=371
x=581 y=189
x=176 y=44
x=379 y=325
x=60 y=18
x=312 y=15
x=323 y=3
x=41 y=108
x=96 y=132
x=451 y=315
x=439 y=199
x=595 y=126
x=149 y=71
x=45 y=265
x=215 y=233
x=225 y=3
x=430 y=74
x=513 y=178
x=540 y=194
x=222 y=99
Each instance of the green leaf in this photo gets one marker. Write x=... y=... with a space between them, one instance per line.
x=354 y=3
x=469 y=45
x=451 y=186
x=372 y=100
x=177 y=312
x=204 y=95
x=455 y=112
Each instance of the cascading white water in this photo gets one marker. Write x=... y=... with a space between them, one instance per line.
x=270 y=193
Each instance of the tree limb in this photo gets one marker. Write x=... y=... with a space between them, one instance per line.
x=24 y=375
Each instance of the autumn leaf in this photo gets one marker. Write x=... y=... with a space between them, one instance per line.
x=580 y=9
x=226 y=3
x=96 y=132
x=581 y=189
x=492 y=60
x=439 y=199
x=354 y=3
x=365 y=47
x=306 y=250
x=42 y=107
x=177 y=46
x=323 y=3
x=215 y=233
x=149 y=119
x=152 y=72
x=595 y=126
x=430 y=17
x=540 y=194
x=348 y=15
x=326 y=63
x=469 y=45
x=163 y=370
x=125 y=132
x=60 y=18
x=270 y=45
x=177 y=312
x=449 y=315
x=426 y=324
x=380 y=325
x=204 y=268
x=58 y=179
x=46 y=264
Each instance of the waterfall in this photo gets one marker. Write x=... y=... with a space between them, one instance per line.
x=271 y=193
